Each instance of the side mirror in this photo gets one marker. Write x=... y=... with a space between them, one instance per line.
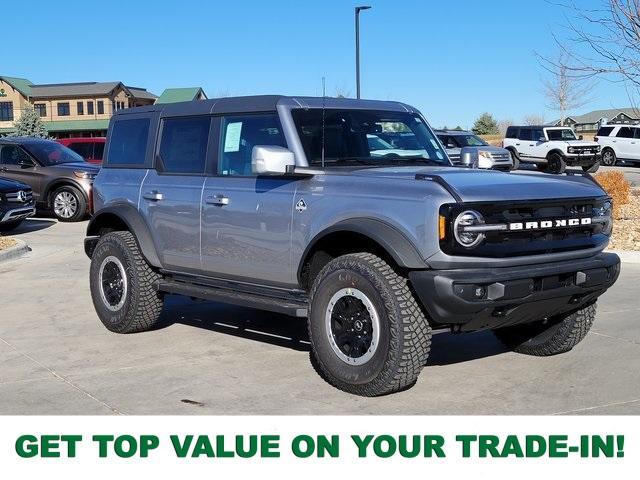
x=271 y=160
x=25 y=164
x=542 y=139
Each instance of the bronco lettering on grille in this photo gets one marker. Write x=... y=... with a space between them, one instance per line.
x=543 y=224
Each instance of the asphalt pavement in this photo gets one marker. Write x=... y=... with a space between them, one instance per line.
x=57 y=358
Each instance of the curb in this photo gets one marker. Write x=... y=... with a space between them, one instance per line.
x=20 y=248
x=627 y=256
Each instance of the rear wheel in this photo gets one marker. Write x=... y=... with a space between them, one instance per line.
x=68 y=204
x=368 y=335
x=122 y=285
x=608 y=157
x=556 y=163
x=8 y=226
x=549 y=337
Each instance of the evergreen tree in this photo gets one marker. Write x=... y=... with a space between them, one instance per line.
x=30 y=125
x=485 y=125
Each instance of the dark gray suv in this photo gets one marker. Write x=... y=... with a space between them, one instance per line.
x=60 y=178
x=290 y=204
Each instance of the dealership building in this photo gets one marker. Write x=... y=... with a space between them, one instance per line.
x=68 y=109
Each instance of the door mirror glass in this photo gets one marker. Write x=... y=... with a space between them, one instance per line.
x=271 y=160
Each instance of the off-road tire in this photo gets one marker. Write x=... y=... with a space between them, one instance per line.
x=591 y=168
x=556 y=164
x=516 y=162
x=143 y=303
x=8 y=226
x=557 y=335
x=610 y=159
x=81 y=201
x=405 y=334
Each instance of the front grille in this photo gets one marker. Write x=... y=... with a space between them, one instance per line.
x=511 y=243
x=20 y=196
x=501 y=157
x=584 y=150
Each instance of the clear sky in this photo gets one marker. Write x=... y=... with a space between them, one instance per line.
x=452 y=60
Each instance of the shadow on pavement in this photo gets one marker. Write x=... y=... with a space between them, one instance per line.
x=33 y=225
x=289 y=332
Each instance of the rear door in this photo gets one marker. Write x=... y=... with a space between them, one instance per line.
x=624 y=139
x=17 y=164
x=538 y=148
x=246 y=219
x=171 y=193
x=634 y=149
x=525 y=143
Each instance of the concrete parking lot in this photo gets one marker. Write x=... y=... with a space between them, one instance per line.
x=57 y=358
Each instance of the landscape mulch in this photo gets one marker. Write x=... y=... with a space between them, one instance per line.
x=626 y=228
x=6 y=242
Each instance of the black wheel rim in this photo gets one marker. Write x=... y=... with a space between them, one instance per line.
x=353 y=326
x=112 y=283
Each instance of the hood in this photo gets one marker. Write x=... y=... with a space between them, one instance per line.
x=85 y=166
x=474 y=185
x=8 y=184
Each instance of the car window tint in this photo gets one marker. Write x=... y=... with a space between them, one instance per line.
x=240 y=134
x=98 y=151
x=537 y=134
x=525 y=134
x=128 y=143
x=512 y=132
x=625 y=132
x=604 y=131
x=183 y=147
x=83 y=149
x=637 y=132
x=12 y=155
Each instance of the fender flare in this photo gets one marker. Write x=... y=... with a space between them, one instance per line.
x=135 y=223
x=56 y=183
x=394 y=242
x=556 y=150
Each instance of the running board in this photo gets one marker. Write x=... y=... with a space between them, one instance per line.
x=286 y=306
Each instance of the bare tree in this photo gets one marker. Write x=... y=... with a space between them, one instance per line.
x=603 y=41
x=503 y=125
x=533 y=119
x=563 y=91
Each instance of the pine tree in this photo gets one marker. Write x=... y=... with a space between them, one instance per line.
x=485 y=125
x=30 y=125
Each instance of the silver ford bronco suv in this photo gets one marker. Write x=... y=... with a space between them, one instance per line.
x=282 y=204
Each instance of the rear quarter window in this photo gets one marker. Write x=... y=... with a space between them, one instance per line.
x=512 y=132
x=128 y=143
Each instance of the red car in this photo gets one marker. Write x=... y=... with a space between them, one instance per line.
x=91 y=148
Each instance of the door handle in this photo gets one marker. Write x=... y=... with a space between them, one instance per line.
x=153 y=195
x=219 y=200
x=517 y=144
x=532 y=145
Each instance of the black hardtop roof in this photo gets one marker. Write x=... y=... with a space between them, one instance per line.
x=536 y=126
x=262 y=103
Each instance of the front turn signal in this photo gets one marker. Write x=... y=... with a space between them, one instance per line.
x=442 y=227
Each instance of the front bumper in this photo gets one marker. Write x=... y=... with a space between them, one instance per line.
x=577 y=159
x=478 y=299
x=17 y=214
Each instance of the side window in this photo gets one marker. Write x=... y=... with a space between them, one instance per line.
x=525 y=134
x=128 y=143
x=536 y=134
x=83 y=149
x=637 y=135
x=98 y=151
x=240 y=134
x=625 y=132
x=512 y=132
x=183 y=146
x=12 y=155
x=604 y=131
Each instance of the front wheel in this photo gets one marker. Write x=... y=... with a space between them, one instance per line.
x=122 y=285
x=69 y=204
x=556 y=164
x=368 y=334
x=549 y=337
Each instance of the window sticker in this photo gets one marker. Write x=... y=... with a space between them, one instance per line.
x=232 y=137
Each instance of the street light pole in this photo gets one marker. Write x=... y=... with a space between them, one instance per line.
x=358 y=9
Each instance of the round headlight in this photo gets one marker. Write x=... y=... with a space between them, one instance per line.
x=463 y=229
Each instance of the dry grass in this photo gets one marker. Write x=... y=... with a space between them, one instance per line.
x=617 y=187
x=6 y=242
x=495 y=140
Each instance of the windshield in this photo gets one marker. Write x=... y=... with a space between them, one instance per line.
x=561 y=134
x=368 y=137
x=52 y=153
x=470 y=141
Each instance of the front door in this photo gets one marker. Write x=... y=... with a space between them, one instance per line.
x=171 y=193
x=246 y=220
x=17 y=164
x=538 y=148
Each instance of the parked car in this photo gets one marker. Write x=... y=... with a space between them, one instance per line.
x=16 y=203
x=551 y=149
x=90 y=148
x=478 y=152
x=619 y=142
x=280 y=203
x=60 y=178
